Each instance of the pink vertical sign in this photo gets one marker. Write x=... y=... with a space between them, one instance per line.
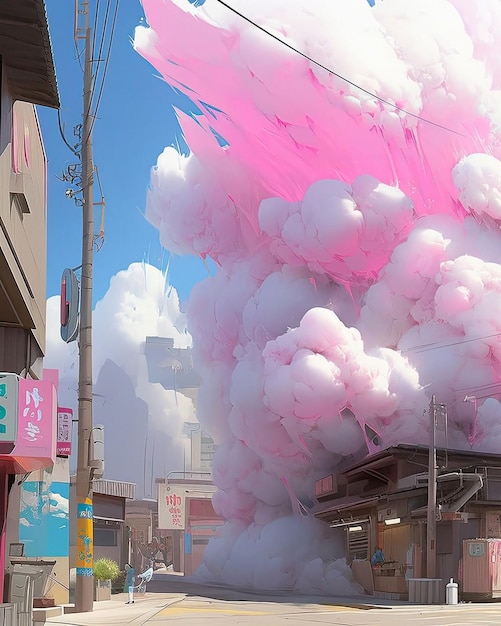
x=64 y=427
x=37 y=420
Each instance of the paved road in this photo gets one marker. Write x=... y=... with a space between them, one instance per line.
x=188 y=604
x=203 y=612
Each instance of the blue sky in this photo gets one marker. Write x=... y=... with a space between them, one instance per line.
x=135 y=122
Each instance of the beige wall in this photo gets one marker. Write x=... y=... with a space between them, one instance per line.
x=23 y=222
x=59 y=590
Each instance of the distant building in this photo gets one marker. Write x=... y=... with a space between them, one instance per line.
x=175 y=530
x=186 y=515
x=200 y=451
x=173 y=369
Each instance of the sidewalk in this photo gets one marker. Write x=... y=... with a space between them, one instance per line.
x=115 y=611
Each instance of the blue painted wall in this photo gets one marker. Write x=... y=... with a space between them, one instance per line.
x=44 y=519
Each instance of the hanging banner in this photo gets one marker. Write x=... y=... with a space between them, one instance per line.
x=85 y=538
x=171 y=507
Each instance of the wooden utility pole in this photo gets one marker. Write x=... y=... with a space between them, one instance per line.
x=84 y=593
x=431 y=522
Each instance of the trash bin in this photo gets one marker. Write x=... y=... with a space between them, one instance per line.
x=38 y=571
x=21 y=594
x=8 y=614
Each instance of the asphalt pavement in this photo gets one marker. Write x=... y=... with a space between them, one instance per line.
x=175 y=599
x=167 y=590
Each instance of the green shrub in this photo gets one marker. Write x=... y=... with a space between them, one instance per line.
x=106 y=569
x=118 y=585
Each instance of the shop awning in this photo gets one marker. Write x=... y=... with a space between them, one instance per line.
x=342 y=509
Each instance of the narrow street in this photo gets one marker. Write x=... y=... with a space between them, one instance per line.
x=177 y=600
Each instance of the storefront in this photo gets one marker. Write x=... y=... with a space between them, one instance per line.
x=185 y=512
x=28 y=421
x=381 y=503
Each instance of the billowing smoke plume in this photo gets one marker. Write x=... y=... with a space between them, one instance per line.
x=138 y=413
x=354 y=217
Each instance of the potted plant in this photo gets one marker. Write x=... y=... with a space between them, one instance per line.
x=105 y=570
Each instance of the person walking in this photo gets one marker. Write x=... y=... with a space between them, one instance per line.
x=131 y=576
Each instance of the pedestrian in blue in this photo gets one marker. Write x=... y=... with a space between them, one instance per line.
x=131 y=576
x=377 y=558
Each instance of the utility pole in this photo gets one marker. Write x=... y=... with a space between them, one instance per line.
x=431 y=521
x=84 y=593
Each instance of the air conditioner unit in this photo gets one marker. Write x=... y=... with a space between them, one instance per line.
x=413 y=481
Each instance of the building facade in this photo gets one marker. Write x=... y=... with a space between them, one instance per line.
x=27 y=78
x=381 y=502
x=111 y=534
x=187 y=517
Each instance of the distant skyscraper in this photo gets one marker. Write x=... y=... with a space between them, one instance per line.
x=173 y=369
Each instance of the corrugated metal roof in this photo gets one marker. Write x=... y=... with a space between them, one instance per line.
x=114 y=488
x=26 y=51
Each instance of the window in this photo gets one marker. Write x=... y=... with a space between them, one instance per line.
x=325 y=486
x=358 y=543
x=105 y=537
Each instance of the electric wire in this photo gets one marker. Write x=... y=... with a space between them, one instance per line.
x=96 y=15
x=105 y=69
x=96 y=60
x=469 y=390
x=489 y=395
x=61 y=132
x=79 y=56
x=336 y=74
x=438 y=345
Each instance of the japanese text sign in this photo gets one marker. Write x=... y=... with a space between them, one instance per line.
x=171 y=507
x=37 y=416
x=64 y=426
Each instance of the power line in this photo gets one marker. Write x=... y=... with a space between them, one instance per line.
x=437 y=345
x=96 y=15
x=97 y=59
x=78 y=57
x=327 y=69
x=494 y=393
x=478 y=388
x=61 y=132
x=106 y=63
